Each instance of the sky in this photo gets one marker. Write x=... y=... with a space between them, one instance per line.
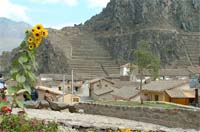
x=51 y=13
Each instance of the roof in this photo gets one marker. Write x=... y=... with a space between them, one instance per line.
x=51 y=90
x=176 y=93
x=126 y=89
x=194 y=69
x=164 y=85
x=59 y=77
x=174 y=72
x=98 y=79
x=101 y=91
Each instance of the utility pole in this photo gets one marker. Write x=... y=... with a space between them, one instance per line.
x=63 y=88
x=72 y=87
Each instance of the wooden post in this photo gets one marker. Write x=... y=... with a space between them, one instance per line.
x=196 y=97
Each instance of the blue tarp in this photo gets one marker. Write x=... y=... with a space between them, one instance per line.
x=194 y=83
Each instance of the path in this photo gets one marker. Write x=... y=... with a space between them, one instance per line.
x=75 y=119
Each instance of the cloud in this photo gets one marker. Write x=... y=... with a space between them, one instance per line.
x=13 y=11
x=97 y=3
x=67 y=2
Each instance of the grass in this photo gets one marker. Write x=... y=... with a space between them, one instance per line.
x=129 y=103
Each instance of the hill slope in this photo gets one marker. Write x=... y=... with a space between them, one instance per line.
x=11 y=33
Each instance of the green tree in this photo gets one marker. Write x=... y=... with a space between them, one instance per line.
x=145 y=61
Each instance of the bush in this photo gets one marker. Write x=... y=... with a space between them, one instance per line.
x=19 y=123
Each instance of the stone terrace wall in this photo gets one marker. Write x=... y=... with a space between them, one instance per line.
x=176 y=118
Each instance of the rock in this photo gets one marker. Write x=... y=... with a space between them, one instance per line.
x=58 y=106
x=32 y=104
x=44 y=104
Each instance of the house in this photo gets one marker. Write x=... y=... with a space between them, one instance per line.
x=175 y=74
x=54 y=80
x=178 y=96
x=70 y=99
x=126 y=91
x=41 y=91
x=100 y=89
x=176 y=91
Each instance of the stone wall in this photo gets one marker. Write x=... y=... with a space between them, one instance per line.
x=176 y=118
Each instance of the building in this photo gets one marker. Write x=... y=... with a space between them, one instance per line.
x=126 y=91
x=55 y=93
x=70 y=99
x=100 y=89
x=176 y=91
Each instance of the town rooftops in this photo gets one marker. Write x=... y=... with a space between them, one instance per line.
x=98 y=79
x=164 y=85
x=126 y=89
x=177 y=93
x=59 y=77
x=174 y=72
x=102 y=91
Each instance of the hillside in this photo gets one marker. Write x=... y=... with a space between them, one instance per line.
x=104 y=42
x=11 y=33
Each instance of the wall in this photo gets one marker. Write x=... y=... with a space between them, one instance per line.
x=152 y=94
x=176 y=118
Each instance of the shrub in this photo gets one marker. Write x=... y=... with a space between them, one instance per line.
x=19 y=123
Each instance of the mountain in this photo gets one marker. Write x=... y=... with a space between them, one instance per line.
x=99 y=46
x=11 y=33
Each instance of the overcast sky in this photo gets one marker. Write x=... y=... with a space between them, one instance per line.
x=51 y=13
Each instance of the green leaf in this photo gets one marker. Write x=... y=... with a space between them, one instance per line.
x=20 y=78
x=1 y=119
x=14 y=70
x=32 y=76
x=23 y=59
x=20 y=103
x=27 y=88
x=12 y=90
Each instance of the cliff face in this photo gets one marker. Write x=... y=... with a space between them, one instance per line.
x=162 y=23
x=131 y=15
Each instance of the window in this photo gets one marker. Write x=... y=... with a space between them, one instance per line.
x=75 y=99
x=156 y=97
x=97 y=85
x=106 y=85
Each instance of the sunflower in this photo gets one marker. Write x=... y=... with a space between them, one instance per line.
x=30 y=40
x=44 y=33
x=37 y=42
x=31 y=46
x=39 y=27
x=37 y=34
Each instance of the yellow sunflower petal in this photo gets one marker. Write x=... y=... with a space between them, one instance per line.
x=30 y=39
x=39 y=27
x=37 y=34
x=31 y=46
x=33 y=30
x=37 y=42
x=44 y=33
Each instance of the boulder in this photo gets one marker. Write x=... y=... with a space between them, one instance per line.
x=32 y=104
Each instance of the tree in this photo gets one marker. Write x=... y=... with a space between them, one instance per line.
x=145 y=60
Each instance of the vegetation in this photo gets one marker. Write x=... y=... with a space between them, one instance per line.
x=135 y=103
x=19 y=123
x=145 y=60
x=22 y=72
